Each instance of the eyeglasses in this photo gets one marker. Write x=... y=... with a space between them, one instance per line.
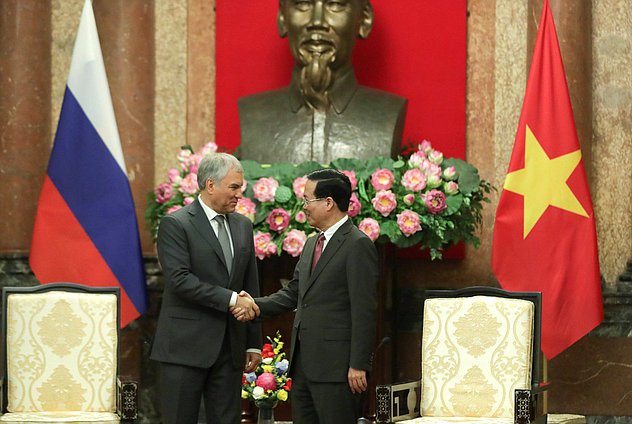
x=307 y=202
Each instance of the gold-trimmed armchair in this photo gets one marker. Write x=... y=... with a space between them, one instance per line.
x=480 y=362
x=60 y=345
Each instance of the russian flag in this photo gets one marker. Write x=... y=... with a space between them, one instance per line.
x=85 y=228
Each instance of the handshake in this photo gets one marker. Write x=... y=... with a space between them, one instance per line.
x=245 y=309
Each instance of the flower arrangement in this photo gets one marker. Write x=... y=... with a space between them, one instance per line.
x=269 y=383
x=418 y=199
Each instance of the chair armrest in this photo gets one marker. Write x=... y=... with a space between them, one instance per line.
x=126 y=399
x=397 y=402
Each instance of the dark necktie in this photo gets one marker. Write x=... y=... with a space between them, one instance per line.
x=318 y=250
x=224 y=241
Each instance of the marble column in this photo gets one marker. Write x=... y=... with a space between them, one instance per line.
x=126 y=31
x=201 y=72
x=573 y=22
x=25 y=92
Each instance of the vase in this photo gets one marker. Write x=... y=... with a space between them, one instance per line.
x=266 y=413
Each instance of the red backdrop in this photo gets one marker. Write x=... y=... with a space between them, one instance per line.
x=417 y=49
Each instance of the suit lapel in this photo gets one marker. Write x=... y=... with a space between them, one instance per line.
x=308 y=253
x=332 y=247
x=203 y=226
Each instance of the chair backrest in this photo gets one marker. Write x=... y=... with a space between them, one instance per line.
x=478 y=346
x=60 y=342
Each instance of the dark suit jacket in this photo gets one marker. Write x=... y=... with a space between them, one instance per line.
x=194 y=314
x=335 y=305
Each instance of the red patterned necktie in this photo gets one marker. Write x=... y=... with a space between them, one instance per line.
x=318 y=250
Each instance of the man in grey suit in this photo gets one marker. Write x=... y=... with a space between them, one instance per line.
x=207 y=255
x=334 y=292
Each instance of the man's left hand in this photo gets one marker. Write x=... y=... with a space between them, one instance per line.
x=253 y=360
x=357 y=380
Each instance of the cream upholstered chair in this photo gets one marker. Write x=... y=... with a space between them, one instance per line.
x=480 y=362
x=60 y=344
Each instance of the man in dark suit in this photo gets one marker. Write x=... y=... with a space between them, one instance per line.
x=334 y=292
x=207 y=255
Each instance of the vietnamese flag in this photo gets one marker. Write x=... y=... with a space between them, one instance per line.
x=544 y=231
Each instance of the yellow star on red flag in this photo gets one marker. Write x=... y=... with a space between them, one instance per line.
x=542 y=182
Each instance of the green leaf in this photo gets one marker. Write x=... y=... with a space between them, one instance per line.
x=390 y=229
x=402 y=241
x=347 y=164
x=399 y=164
x=453 y=204
x=362 y=190
x=252 y=170
x=467 y=175
x=305 y=168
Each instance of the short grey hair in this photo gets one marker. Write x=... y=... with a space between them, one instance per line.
x=215 y=166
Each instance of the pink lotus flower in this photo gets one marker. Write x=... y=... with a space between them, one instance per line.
x=246 y=207
x=267 y=381
x=435 y=201
x=299 y=186
x=188 y=200
x=189 y=184
x=352 y=177
x=408 y=222
x=164 y=192
x=436 y=157
x=264 y=247
x=449 y=173
x=300 y=217
x=450 y=187
x=173 y=209
x=278 y=219
x=384 y=202
x=354 y=206
x=265 y=188
x=433 y=180
x=416 y=159
x=294 y=241
x=208 y=148
x=194 y=162
x=409 y=199
x=425 y=147
x=430 y=168
x=174 y=175
x=414 y=180
x=184 y=156
x=382 y=179
x=370 y=227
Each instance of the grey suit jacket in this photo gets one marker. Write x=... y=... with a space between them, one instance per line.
x=194 y=315
x=335 y=305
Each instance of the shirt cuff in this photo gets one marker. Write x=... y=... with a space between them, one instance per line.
x=254 y=351
x=233 y=300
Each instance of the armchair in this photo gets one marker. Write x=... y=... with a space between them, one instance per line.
x=480 y=362
x=60 y=356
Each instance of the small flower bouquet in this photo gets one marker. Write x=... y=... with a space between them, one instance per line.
x=269 y=383
x=419 y=199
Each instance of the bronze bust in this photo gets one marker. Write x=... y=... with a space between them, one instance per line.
x=324 y=113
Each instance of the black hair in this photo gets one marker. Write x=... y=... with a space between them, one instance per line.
x=334 y=184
